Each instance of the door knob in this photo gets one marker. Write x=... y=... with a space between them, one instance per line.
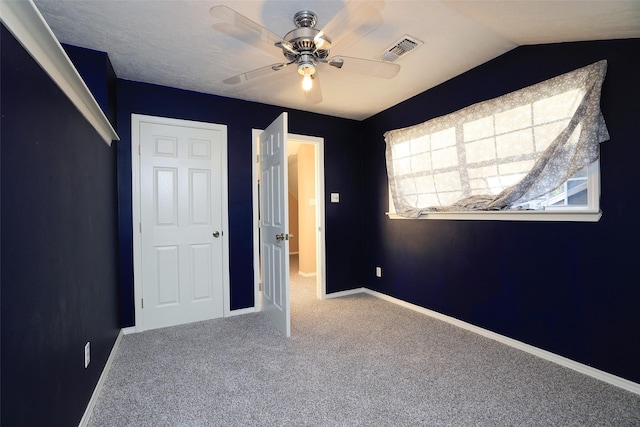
x=216 y=234
x=280 y=236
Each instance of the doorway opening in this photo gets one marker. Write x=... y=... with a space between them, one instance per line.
x=306 y=210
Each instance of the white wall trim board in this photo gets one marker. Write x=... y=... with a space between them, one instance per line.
x=84 y=421
x=307 y=274
x=544 y=354
x=257 y=285
x=26 y=23
x=345 y=293
x=130 y=330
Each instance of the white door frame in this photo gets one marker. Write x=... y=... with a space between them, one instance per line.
x=318 y=142
x=136 y=119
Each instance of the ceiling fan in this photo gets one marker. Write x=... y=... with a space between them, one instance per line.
x=307 y=47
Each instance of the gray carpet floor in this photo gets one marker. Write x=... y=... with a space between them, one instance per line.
x=351 y=361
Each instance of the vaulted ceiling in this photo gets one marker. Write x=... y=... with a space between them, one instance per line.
x=174 y=43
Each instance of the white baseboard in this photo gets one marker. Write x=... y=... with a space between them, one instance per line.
x=96 y=391
x=544 y=354
x=345 y=293
x=306 y=274
x=230 y=313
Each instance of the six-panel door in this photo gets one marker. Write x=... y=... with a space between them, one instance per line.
x=180 y=206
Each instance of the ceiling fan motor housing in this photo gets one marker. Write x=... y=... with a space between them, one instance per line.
x=306 y=39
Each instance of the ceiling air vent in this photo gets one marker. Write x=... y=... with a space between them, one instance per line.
x=396 y=51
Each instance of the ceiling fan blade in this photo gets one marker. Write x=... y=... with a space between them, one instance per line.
x=250 y=75
x=313 y=95
x=383 y=70
x=352 y=23
x=244 y=29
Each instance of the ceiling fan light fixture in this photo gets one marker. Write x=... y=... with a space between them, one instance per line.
x=306 y=69
x=307 y=83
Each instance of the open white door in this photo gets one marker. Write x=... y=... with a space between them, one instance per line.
x=275 y=224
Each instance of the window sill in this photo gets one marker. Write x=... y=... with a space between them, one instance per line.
x=558 y=216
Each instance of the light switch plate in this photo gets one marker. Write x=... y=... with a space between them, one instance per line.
x=87 y=354
x=335 y=197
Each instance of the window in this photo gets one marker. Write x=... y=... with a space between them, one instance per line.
x=533 y=150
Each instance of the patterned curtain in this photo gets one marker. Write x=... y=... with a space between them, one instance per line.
x=498 y=154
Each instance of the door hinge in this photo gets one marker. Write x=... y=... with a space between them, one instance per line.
x=139 y=150
x=260 y=286
x=141 y=302
x=257 y=158
x=140 y=227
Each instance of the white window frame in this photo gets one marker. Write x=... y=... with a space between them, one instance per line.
x=408 y=163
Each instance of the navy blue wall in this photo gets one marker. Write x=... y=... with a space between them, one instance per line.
x=570 y=288
x=97 y=72
x=342 y=174
x=58 y=250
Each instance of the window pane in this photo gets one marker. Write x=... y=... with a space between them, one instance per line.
x=420 y=145
x=401 y=150
x=516 y=167
x=482 y=150
x=574 y=192
x=556 y=107
x=426 y=200
x=445 y=158
x=448 y=198
x=545 y=134
x=444 y=138
x=478 y=129
x=421 y=162
x=514 y=119
x=402 y=166
x=448 y=181
x=514 y=143
x=425 y=184
x=407 y=186
x=579 y=199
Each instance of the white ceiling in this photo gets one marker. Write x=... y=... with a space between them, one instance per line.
x=172 y=43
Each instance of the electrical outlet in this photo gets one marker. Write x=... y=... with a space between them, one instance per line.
x=378 y=271
x=87 y=354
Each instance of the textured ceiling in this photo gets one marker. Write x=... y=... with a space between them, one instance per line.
x=172 y=43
